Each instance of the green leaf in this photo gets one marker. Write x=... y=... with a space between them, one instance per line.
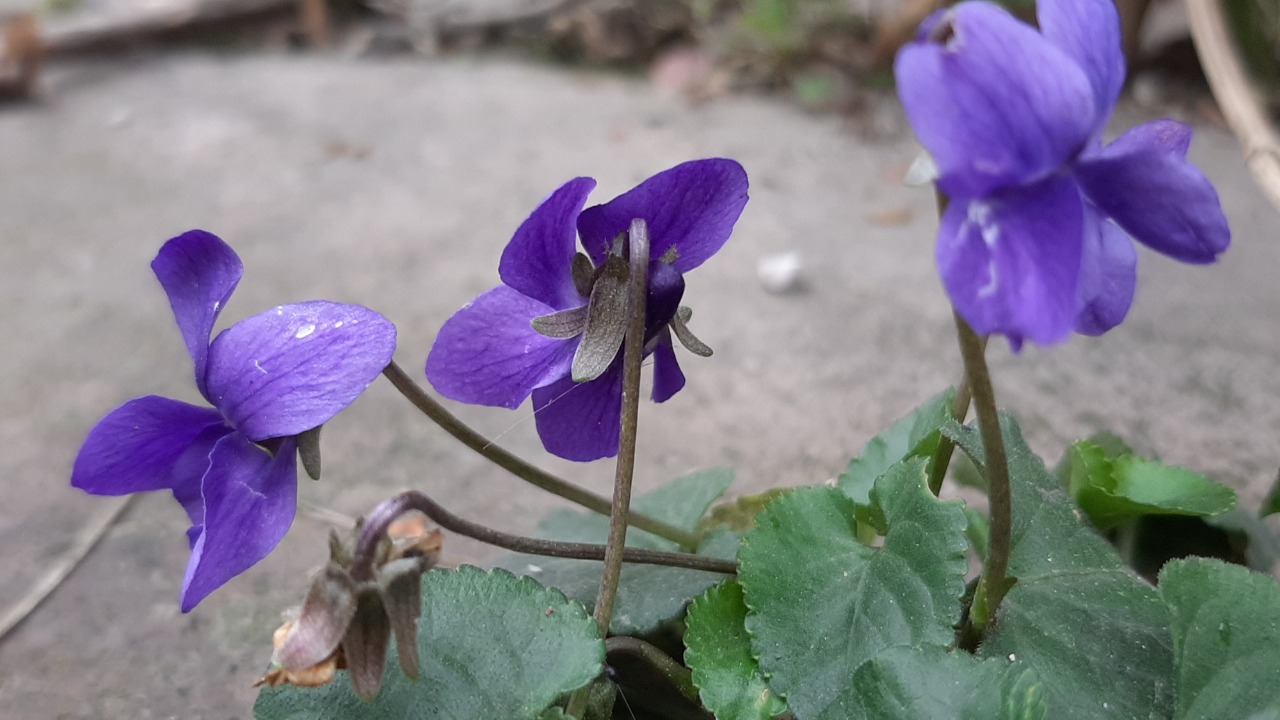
x=915 y=435
x=1114 y=489
x=978 y=531
x=648 y=595
x=1226 y=639
x=822 y=603
x=1095 y=633
x=719 y=653
x=907 y=683
x=492 y=645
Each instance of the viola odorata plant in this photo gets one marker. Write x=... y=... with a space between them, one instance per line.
x=554 y=327
x=1037 y=237
x=268 y=379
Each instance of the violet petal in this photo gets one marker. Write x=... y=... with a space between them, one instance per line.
x=189 y=470
x=294 y=367
x=993 y=101
x=198 y=272
x=250 y=498
x=1088 y=31
x=136 y=447
x=692 y=206
x=1108 y=275
x=668 y=379
x=488 y=353
x=1011 y=262
x=539 y=259
x=1158 y=197
x=581 y=421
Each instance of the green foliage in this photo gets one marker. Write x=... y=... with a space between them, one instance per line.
x=492 y=645
x=719 y=654
x=822 y=603
x=1114 y=488
x=1226 y=639
x=914 y=435
x=648 y=595
x=906 y=683
x=1095 y=634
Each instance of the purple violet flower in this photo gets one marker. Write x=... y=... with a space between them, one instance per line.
x=521 y=338
x=233 y=467
x=1036 y=240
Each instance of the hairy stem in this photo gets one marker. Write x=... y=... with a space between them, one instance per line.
x=375 y=528
x=994 y=575
x=675 y=673
x=632 y=359
x=516 y=466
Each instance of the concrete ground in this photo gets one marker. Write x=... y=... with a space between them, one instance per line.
x=396 y=184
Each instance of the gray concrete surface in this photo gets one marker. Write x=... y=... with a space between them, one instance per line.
x=396 y=185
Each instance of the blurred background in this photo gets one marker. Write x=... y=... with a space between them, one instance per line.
x=383 y=154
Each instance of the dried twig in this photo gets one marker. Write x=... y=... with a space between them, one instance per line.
x=84 y=543
x=1235 y=95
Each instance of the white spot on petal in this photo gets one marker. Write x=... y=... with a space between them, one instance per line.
x=260 y=368
x=338 y=324
x=304 y=331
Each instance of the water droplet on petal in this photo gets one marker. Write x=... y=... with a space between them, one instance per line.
x=304 y=331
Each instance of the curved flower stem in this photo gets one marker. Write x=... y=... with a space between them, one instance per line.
x=632 y=359
x=678 y=675
x=992 y=586
x=375 y=528
x=517 y=466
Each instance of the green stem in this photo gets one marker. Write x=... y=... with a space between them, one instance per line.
x=375 y=527
x=993 y=584
x=518 y=467
x=632 y=360
x=678 y=675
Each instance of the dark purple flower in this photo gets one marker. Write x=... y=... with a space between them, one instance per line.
x=1036 y=239
x=490 y=353
x=233 y=467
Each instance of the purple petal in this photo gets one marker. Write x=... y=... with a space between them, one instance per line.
x=1164 y=136
x=489 y=354
x=662 y=300
x=581 y=421
x=993 y=101
x=137 y=447
x=1108 y=275
x=539 y=259
x=198 y=272
x=692 y=206
x=1011 y=262
x=291 y=368
x=249 y=500
x=189 y=470
x=1088 y=31
x=1143 y=183
x=668 y=379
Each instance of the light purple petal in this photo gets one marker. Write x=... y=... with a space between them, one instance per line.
x=581 y=421
x=1108 y=275
x=293 y=367
x=539 y=259
x=1143 y=183
x=198 y=272
x=1011 y=262
x=668 y=379
x=136 y=447
x=692 y=206
x=1163 y=136
x=1088 y=31
x=994 y=102
x=249 y=500
x=489 y=354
